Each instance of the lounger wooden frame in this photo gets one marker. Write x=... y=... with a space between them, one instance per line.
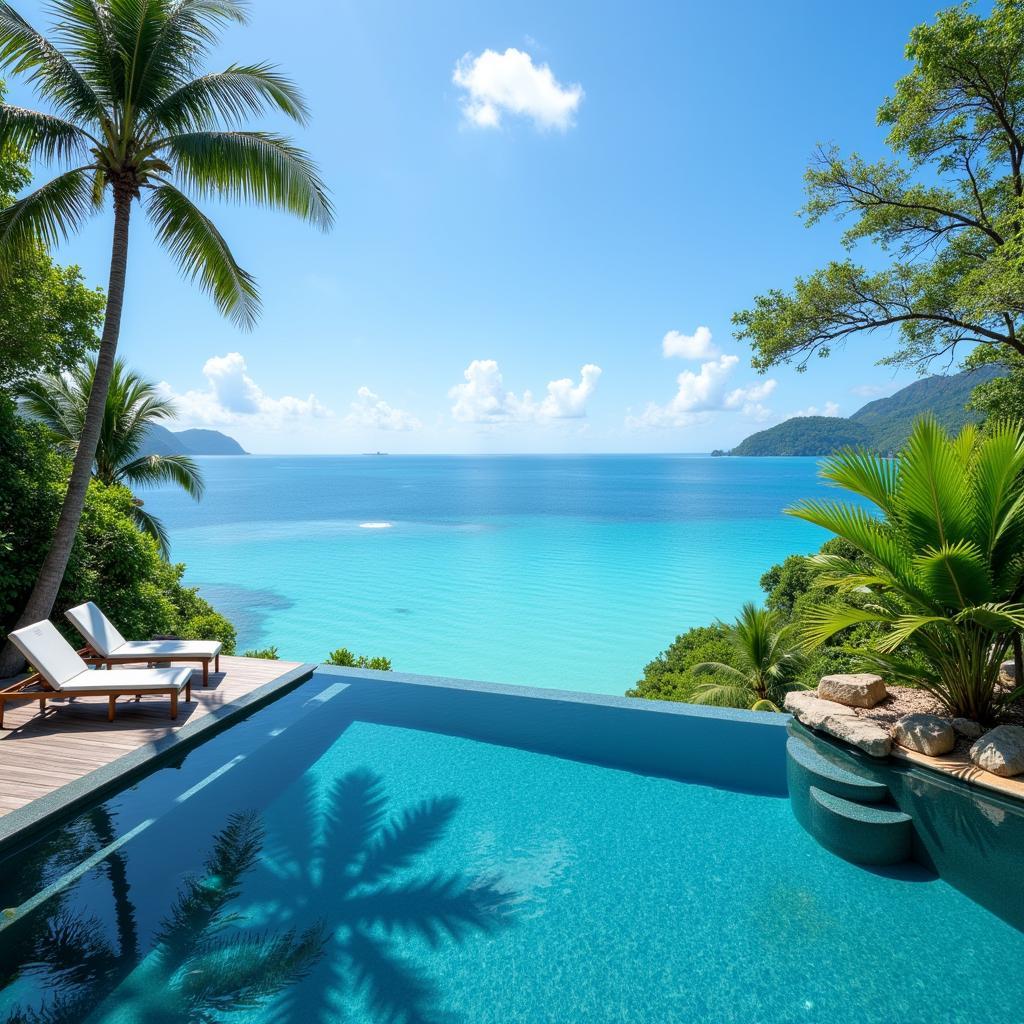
x=18 y=691
x=92 y=658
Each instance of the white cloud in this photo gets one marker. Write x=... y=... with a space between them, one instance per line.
x=704 y=392
x=483 y=397
x=232 y=396
x=689 y=346
x=370 y=410
x=510 y=82
x=829 y=409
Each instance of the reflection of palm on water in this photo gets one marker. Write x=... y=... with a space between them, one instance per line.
x=341 y=866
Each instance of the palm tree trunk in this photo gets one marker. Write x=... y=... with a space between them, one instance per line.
x=51 y=573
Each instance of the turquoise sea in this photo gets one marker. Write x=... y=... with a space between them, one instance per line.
x=561 y=571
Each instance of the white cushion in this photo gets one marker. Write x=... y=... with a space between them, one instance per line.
x=101 y=633
x=53 y=657
x=131 y=680
x=168 y=649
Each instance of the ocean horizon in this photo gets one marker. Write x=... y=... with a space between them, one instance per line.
x=560 y=571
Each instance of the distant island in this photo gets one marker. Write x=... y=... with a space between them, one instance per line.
x=883 y=425
x=161 y=441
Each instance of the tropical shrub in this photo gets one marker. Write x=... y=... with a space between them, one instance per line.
x=266 y=653
x=344 y=658
x=945 y=560
x=111 y=562
x=763 y=663
x=668 y=677
x=59 y=401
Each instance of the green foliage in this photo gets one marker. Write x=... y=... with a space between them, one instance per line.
x=944 y=214
x=111 y=562
x=48 y=317
x=60 y=402
x=668 y=676
x=763 y=664
x=804 y=435
x=267 y=653
x=129 y=114
x=344 y=658
x=999 y=397
x=941 y=572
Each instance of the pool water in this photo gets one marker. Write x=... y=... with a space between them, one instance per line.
x=307 y=865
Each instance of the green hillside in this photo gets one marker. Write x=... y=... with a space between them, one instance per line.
x=805 y=435
x=161 y=441
x=883 y=424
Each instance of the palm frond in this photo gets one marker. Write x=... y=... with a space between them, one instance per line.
x=26 y=51
x=153 y=527
x=723 y=695
x=42 y=135
x=256 y=167
x=957 y=575
x=822 y=622
x=934 y=488
x=999 y=616
x=158 y=469
x=718 y=668
x=903 y=627
x=864 y=473
x=202 y=253
x=229 y=96
x=163 y=42
x=862 y=530
x=50 y=214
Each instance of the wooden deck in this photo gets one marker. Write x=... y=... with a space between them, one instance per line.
x=41 y=753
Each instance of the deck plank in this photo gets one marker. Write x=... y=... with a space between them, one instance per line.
x=41 y=753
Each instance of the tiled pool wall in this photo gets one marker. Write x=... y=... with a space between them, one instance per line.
x=972 y=837
x=723 y=747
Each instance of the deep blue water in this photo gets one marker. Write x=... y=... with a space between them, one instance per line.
x=560 y=571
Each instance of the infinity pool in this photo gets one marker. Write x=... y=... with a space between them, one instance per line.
x=328 y=860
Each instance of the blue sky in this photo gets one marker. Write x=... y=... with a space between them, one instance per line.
x=528 y=194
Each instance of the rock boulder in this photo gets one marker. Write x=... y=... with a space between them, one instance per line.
x=1000 y=751
x=839 y=721
x=861 y=690
x=927 y=734
x=966 y=728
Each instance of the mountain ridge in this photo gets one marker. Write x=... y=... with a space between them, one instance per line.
x=161 y=441
x=883 y=424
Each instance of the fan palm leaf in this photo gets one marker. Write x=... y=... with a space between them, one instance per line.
x=946 y=573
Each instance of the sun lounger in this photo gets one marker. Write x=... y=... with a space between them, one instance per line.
x=107 y=647
x=61 y=672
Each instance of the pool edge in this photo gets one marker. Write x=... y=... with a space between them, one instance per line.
x=23 y=823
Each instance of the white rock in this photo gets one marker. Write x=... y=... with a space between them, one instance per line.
x=839 y=721
x=859 y=732
x=927 y=734
x=810 y=709
x=860 y=690
x=1000 y=751
x=966 y=728
x=1008 y=673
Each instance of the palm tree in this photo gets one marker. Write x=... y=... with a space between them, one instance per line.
x=131 y=119
x=133 y=405
x=946 y=559
x=765 y=664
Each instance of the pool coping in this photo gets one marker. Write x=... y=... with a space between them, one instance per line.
x=607 y=700
x=23 y=823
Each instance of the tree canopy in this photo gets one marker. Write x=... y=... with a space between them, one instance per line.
x=48 y=317
x=946 y=212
